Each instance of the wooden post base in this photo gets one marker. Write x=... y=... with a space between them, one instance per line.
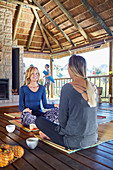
x=100 y=101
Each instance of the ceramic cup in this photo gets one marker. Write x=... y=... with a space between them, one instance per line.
x=32 y=142
x=10 y=128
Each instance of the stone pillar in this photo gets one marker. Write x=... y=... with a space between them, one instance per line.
x=6 y=53
x=6 y=45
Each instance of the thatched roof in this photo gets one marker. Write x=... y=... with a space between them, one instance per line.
x=50 y=26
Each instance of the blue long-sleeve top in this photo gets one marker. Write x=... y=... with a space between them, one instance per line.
x=32 y=100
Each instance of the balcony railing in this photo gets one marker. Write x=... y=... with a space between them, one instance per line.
x=99 y=81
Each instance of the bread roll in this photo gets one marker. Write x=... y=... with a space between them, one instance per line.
x=18 y=151
x=3 y=159
x=7 y=146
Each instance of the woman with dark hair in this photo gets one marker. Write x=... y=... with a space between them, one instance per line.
x=30 y=96
x=77 y=110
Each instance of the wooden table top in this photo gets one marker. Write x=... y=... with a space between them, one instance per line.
x=45 y=157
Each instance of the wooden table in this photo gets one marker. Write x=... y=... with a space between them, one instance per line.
x=45 y=157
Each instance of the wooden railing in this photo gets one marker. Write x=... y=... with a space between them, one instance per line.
x=99 y=81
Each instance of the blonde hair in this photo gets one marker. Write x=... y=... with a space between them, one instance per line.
x=28 y=74
x=77 y=65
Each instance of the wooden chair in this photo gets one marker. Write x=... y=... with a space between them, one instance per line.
x=99 y=93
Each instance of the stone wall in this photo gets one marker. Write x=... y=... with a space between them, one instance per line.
x=6 y=52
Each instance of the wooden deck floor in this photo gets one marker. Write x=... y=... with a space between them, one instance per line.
x=45 y=157
x=107 y=113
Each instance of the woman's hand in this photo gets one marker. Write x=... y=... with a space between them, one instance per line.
x=56 y=105
x=43 y=136
x=27 y=110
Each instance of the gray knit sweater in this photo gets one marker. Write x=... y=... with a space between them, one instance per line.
x=77 y=120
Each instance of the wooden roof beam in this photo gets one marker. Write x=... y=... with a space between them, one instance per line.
x=97 y=17
x=44 y=43
x=67 y=13
x=50 y=34
x=85 y=46
x=21 y=3
x=46 y=39
x=17 y=22
x=41 y=28
x=55 y=24
x=32 y=33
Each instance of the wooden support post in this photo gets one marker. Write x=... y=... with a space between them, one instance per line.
x=111 y=69
x=51 y=70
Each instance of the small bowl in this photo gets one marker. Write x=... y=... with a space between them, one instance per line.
x=32 y=142
x=10 y=128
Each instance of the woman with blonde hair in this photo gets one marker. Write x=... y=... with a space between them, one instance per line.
x=30 y=96
x=77 y=110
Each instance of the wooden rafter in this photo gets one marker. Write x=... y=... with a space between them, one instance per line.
x=46 y=39
x=85 y=46
x=79 y=15
x=79 y=28
x=43 y=32
x=47 y=3
x=61 y=15
x=97 y=17
x=50 y=34
x=21 y=3
x=17 y=22
x=44 y=43
x=32 y=33
x=55 y=24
